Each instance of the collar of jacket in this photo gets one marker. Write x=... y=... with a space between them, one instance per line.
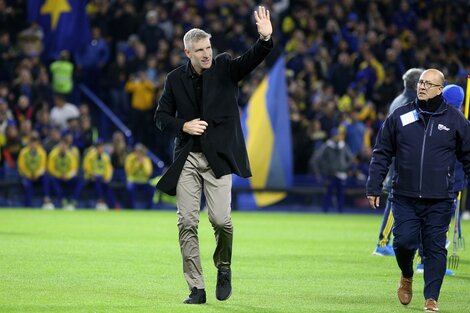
x=433 y=106
x=191 y=72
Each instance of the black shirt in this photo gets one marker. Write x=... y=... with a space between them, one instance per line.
x=197 y=86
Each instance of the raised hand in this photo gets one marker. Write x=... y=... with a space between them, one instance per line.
x=263 y=22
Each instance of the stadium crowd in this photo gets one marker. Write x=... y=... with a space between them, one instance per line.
x=344 y=63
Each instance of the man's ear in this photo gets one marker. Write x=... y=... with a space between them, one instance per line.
x=187 y=52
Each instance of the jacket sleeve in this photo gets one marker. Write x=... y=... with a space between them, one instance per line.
x=108 y=172
x=165 y=114
x=74 y=164
x=51 y=163
x=148 y=167
x=43 y=162
x=382 y=155
x=244 y=64
x=22 y=168
x=87 y=160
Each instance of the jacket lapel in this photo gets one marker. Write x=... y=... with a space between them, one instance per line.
x=187 y=84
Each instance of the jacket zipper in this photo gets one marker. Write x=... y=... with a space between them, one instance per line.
x=422 y=157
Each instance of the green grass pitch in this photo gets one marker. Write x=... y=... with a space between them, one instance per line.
x=126 y=261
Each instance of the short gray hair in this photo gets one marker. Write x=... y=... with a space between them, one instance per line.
x=194 y=34
x=411 y=77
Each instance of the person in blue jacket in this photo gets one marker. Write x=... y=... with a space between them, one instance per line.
x=426 y=136
x=453 y=95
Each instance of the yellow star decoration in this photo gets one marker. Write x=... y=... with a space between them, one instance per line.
x=55 y=8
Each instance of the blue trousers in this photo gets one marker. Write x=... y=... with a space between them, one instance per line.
x=103 y=191
x=73 y=186
x=132 y=190
x=425 y=220
x=333 y=183
x=28 y=188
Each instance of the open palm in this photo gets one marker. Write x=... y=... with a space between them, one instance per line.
x=263 y=22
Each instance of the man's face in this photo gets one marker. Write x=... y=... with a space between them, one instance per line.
x=429 y=86
x=200 y=55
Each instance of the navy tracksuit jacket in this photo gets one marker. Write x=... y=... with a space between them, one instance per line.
x=423 y=185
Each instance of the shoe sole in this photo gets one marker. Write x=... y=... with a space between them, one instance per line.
x=381 y=254
x=225 y=298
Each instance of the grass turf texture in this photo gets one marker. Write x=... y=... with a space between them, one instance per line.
x=88 y=261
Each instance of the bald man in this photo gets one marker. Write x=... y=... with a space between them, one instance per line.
x=425 y=136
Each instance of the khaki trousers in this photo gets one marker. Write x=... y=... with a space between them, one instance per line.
x=198 y=177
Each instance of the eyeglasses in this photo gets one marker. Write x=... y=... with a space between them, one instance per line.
x=427 y=84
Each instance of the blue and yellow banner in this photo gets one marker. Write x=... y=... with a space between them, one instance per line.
x=64 y=23
x=267 y=130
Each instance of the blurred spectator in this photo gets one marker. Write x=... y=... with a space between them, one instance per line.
x=88 y=133
x=341 y=74
x=5 y=94
x=332 y=162
x=84 y=109
x=124 y=20
x=32 y=168
x=142 y=104
x=151 y=68
x=139 y=62
x=385 y=93
x=52 y=139
x=12 y=146
x=118 y=151
x=23 y=110
x=30 y=40
x=62 y=111
x=26 y=129
x=92 y=59
x=63 y=165
x=355 y=132
x=41 y=125
x=98 y=172
x=139 y=169
x=7 y=55
x=150 y=33
x=62 y=71
x=68 y=137
x=73 y=129
x=43 y=89
x=23 y=84
x=116 y=79
x=5 y=120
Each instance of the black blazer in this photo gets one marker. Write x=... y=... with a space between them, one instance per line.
x=222 y=143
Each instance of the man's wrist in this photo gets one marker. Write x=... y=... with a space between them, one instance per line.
x=265 y=38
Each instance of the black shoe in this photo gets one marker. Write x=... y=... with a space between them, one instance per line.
x=224 y=284
x=197 y=296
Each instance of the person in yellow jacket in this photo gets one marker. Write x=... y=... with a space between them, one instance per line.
x=32 y=169
x=142 y=92
x=98 y=170
x=62 y=165
x=138 y=168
